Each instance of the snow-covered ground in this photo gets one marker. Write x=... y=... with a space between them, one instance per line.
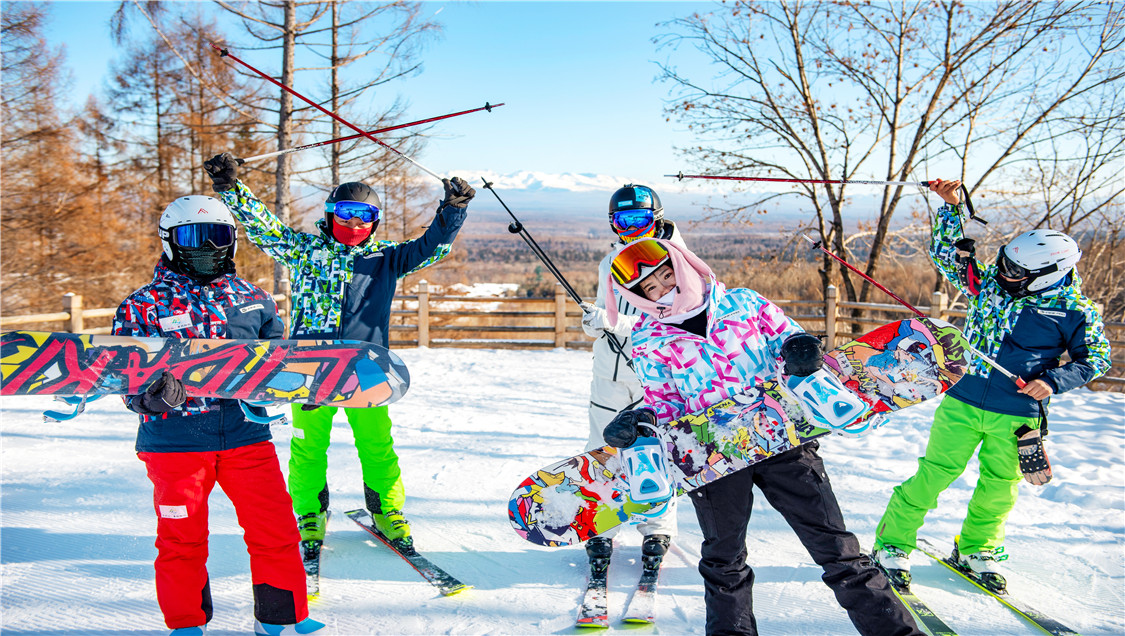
x=77 y=534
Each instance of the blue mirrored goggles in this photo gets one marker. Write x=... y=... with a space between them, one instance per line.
x=354 y=210
x=199 y=234
x=625 y=219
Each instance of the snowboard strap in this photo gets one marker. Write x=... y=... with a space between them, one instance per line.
x=1025 y=429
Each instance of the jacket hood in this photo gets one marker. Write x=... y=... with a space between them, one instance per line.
x=693 y=277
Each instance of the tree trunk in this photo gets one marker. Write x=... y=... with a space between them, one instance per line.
x=284 y=141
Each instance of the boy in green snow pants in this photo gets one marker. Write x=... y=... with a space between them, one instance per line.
x=343 y=283
x=1024 y=312
x=308 y=460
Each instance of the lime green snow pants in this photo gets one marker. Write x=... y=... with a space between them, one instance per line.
x=308 y=458
x=957 y=431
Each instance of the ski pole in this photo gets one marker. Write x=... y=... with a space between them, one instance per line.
x=225 y=53
x=925 y=184
x=486 y=106
x=992 y=363
x=515 y=227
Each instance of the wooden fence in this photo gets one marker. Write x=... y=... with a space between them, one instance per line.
x=426 y=320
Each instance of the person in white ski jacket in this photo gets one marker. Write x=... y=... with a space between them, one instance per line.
x=635 y=212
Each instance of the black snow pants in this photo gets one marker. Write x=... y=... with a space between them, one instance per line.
x=796 y=485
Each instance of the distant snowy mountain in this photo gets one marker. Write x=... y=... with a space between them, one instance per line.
x=587 y=195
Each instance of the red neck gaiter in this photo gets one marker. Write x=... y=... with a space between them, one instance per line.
x=350 y=236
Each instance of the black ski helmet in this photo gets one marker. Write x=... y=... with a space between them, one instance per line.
x=351 y=191
x=637 y=197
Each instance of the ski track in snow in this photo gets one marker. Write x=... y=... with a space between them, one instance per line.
x=77 y=526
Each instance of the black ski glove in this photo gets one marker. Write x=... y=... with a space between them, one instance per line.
x=967 y=270
x=458 y=192
x=164 y=395
x=803 y=354
x=223 y=170
x=623 y=430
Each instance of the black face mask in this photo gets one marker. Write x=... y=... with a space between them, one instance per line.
x=202 y=264
x=1014 y=288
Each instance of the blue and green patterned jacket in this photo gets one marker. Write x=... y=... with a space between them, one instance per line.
x=341 y=292
x=1027 y=336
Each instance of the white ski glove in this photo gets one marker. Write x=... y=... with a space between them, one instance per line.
x=594 y=319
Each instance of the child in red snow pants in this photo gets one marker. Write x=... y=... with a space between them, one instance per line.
x=251 y=477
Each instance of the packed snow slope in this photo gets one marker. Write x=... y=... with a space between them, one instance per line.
x=78 y=525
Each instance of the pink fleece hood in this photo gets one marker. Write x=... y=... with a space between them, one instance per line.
x=692 y=279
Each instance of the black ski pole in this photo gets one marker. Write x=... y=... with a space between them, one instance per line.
x=515 y=227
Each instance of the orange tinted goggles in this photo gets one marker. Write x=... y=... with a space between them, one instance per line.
x=626 y=266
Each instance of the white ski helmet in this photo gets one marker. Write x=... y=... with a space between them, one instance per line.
x=1036 y=260
x=194 y=210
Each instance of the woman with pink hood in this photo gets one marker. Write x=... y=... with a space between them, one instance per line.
x=699 y=343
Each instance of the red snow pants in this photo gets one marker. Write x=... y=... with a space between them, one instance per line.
x=251 y=478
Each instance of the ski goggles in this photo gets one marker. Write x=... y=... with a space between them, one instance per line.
x=1009 y=268
x=354 y=210
x=625 y=219
x=199 y=234
x=637 y=261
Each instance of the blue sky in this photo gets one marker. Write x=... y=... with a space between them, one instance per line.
x=578 y=80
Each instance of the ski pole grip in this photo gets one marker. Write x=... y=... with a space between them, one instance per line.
x=1019 y=381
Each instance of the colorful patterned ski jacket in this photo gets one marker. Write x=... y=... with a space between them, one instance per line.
x=339 y=291
x=684 y=373
x=174 y=306
x=1025 y=335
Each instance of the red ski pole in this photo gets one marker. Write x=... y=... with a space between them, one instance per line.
x=486 y=106
x=992 y=363
x=225 y=53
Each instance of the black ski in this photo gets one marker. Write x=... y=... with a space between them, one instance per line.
x=594 y=611
x=642 y=606
x=1037 y=618
x=310 y=557
x=439 y=578
x=926 y=616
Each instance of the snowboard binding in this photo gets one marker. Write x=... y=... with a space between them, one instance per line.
x=826 y=401
x=646 y=471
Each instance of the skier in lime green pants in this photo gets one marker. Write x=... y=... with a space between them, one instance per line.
x=308 y=460
x=957 y=431
x=343 y=285
x=1024 y=312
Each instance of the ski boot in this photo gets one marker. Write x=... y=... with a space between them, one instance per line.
x=653 y=549
x=982 y=565
x=394 y=526
x=311 y=527
x=306 y=626
x=599 y=550
x=198 y=630
x=895 y=563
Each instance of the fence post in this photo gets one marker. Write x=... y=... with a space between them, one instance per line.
x=423 y=313
x=830 y=316
x=72 y=303
x=938 y=303
x=560 y=316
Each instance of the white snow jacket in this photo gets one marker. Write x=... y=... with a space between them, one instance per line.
x=608 y=364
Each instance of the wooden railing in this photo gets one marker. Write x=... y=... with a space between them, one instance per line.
x=526 y=323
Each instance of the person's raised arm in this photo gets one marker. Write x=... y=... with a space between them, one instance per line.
x=281 y=242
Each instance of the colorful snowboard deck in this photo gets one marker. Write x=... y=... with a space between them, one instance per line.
x=893 y=367
x=324 y=372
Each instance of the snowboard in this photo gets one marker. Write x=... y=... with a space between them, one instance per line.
x=322 y=372
x=893 y=367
